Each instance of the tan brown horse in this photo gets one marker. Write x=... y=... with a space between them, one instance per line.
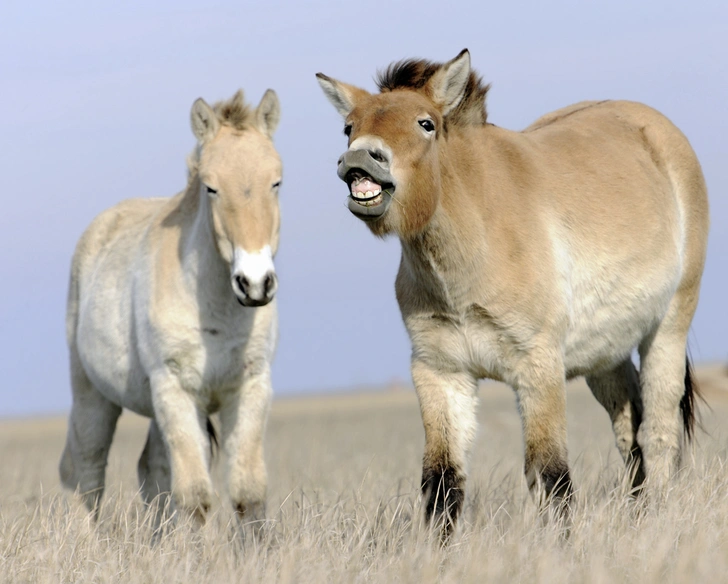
x=155 y=322
x=531 y=257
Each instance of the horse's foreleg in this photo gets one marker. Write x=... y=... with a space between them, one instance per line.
x=183 y=428
x=91 y=428
x=448 y=404
x=243 y=420
x=541 y=399
x=619 y=393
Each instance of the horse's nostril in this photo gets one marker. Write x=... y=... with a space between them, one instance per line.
x=243 y=284
x=269 y=284
x=379 y=156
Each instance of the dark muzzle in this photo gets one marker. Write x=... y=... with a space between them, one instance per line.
x=358 y=167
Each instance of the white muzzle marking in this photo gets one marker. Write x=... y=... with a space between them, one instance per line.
x=254 y=276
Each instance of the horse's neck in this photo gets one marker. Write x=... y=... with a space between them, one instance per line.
x=450 y=253
x=203 y=268
x=438 y=259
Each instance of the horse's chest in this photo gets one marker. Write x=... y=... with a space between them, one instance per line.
x=210 y=369
x=469 y=342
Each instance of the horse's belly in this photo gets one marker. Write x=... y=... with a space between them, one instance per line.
x=118 y=380
x=607 y=325
x=115 y=371
x=104 y=345
x=119 y=358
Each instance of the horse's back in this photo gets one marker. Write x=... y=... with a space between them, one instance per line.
x=673 y=155
x=560 y=114
x=110 y=241
x=631 y=126
x=118 y=226
x=624 y=158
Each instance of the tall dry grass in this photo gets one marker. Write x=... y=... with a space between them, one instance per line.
x=343 y=506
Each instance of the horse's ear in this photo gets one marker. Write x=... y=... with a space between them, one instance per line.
x=447 y=85
x=268 y=113
x=205 y=124
x=341 y=95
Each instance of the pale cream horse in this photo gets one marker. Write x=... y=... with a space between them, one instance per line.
x=531 y=257
x=171 y=314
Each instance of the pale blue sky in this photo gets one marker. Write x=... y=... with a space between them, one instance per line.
x=94 y=108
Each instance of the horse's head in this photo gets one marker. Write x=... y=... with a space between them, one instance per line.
x=395 y=137
x=240 y=174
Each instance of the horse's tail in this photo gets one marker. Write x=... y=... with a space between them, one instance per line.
x=212 y=435
x=688 y=405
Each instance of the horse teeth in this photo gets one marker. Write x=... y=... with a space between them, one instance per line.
x=368 y=198
x=372 y=202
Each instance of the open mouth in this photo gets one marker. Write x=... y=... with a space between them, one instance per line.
x=368 y=199
x=366 y=192
x=371 y=186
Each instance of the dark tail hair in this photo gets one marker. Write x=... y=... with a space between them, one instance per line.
x=215 y=445
x=688 y=402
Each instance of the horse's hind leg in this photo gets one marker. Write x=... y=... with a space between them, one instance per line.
x=618 y=391
x=155 y=476
x=90 y=430
x=154 y=473
x=665 y=391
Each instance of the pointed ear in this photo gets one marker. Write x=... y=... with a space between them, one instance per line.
x=205 y=124
x=268 y=113
x=341 y=95
x=447 y=86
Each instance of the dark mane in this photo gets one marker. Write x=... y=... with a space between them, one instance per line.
x=234 y=111
x=415 y=73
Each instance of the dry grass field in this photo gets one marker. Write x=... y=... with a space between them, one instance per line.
x=343 y=505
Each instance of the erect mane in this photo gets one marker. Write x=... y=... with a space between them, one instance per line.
x=415 y=73
x=234 y=112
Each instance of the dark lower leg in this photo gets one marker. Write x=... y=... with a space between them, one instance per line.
x=443 y=493
x=543 y=414
x=447 y=403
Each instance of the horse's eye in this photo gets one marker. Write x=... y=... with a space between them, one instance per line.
x=427 y=125
x=276 y=184
x=211 y=191
x=347 y=129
